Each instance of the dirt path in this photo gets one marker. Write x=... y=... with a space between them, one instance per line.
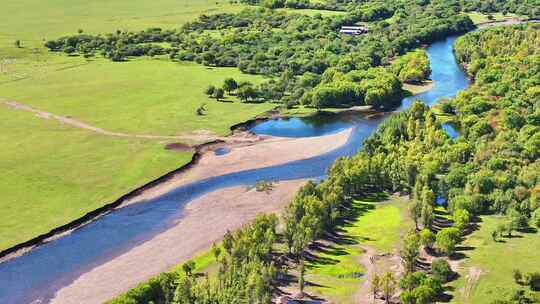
x=470 y=283
x=82 y=125
x=367 y=260
x=206 y=220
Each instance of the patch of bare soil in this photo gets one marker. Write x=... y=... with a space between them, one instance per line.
x=471 y=279
x=178 y=147
x=376 y=264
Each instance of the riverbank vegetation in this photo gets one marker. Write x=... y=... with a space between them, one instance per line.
x=288 y=59
x=453 y=183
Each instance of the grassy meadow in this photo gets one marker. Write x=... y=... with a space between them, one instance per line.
x=56 y=173
x=149 y=96
x=478 y=17
x=336 y=272
x=495 y=262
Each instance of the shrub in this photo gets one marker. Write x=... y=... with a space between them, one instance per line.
x=263 y=186
x=447 y=108
x=441 y=270
x=533 y=280
x=210 y=90
x=427 y=238
x=518 y=277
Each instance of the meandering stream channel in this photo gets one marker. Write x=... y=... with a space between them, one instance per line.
x=38 y=274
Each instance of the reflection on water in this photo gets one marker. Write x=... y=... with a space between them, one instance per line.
x=38 y=274
x=448 y=79
x=222 y=151
x=323 y=123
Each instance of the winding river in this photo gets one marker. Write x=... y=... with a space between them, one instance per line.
x=37 y=275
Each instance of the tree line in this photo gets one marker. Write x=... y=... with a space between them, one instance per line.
x=296 y=48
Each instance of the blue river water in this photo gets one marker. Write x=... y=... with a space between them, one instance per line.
x=451 y=130
x=38 y=274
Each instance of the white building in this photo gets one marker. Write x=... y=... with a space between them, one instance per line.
x=353 y=30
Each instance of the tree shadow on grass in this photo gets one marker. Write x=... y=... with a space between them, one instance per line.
x=513 y=236
x=457 y=256
x=341 y=239
x=315 y=260
x=327 y=249
x=373 y=197
x=528 y=230
x=464 y=248
x=331 y=243
x=445 y=297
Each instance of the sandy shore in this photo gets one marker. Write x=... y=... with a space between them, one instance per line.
x=206 y=220
x=244 y=156
x=419 y=88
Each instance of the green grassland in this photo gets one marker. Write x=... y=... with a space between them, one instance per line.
x=312 y=12
x=478 y=18
x=53 y=173
x=32 y=21
x=495 y=261
x=56 y=173
x=334 y=272
x=149 y=96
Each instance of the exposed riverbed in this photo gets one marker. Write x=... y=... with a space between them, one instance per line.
x=39 y=274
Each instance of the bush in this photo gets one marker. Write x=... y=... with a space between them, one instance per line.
x=533 y=280
x=210 y=90
x=441 y=270
x=264 y=186
x=518 y=277
x=447 y=108
x=427 y=238
x=536 y=218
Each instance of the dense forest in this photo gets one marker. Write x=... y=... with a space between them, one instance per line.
x=309 y=60
x=492 y=167
x=380 y=9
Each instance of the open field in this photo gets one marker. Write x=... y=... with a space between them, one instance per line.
x=32 y=21
x=494 y=261
x=477 y=17
x=336 y=273
x=148 y=96
x=55 y=173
